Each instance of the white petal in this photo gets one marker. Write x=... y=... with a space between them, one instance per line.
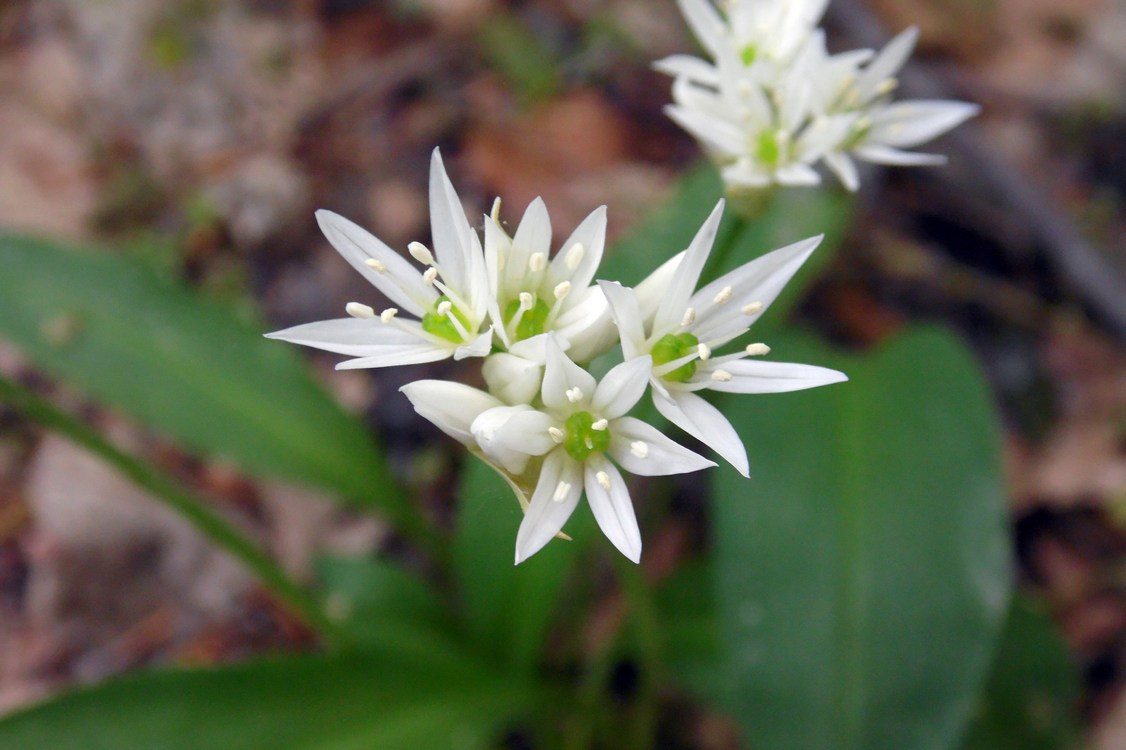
x=533 y=236
x=591 y=234
x=401 y=282
x=653 y=289
x=479 y=347
x=689 y=67
x=566 y=386
x=760 y=280
x=757 y=376
x=878 y=154
x=672 y=308
x=724 y=137
x=451 y=407
x=622 y=387
x=513 y=379
x=510 y=435
x=626 y=313
x=797 y=174
x=704 y=422
x=706 y=24
x=358 y=337
x=887 y=63
x=661 y=456
x=844 y=168
x=546 y=515
x=612 y=507
x=587 y=326
x=453 y=238
x=907 y=124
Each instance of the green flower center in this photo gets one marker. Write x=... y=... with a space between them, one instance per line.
x=581 y=438
x=441 y=325
x=532 y=322
x=750 y=52
x=769 y=150
x=671 y=347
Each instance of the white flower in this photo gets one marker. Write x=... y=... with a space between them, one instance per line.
x=534 y=292
x=580 y=427
x=681 y=335
x=773 y=103
x=451 y=407
x=449 y=297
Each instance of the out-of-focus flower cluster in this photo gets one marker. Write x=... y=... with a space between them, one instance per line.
x=535 y=319
x=772 y=103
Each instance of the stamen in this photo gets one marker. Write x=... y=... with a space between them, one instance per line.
x=376 y=264
x=562 y=289
x=527 y=300
x=388 y=314
x=703 y=351
x=574 y=256
x=723 y=296
x=887 y=86
x=574 y=395
x=557 y=435
x=757 y=350
x=495 y=213
x=753 y=309
x=603 y=480
x=444 y=308
x=537 y=262
x=421 y=253
x=561 y=491
x=639 y=448
x=721 y=376
x=430 y=275
x=689 y=317
x=359 y=310
x=601 y=424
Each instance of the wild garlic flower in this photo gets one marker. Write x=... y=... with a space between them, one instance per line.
x=772 y=103
x=682 y=335
x=449 y=298
x=569 y=439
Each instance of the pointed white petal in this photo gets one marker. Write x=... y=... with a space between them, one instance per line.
x=622 y=387
x=451 y=407
x=887 y=63
x=626 y=312
x=756 y=376
x=417 y=353
x=844 y=168
x=878 y=154
x=546 y=515
x=587 y=326
x=566 y=386
x=706 y=24
x=671 y=310
x=611 y=506
x=358 y=337
x=513 y=379
x=590 y=234
x=704 y=422
x=797 y=174
x=760 y=280
x=908 y=124
x=479 y=347
x=653 y=289
x=452 y=236
x=510 y=435
x=660 y=456
x=724 y=137
x=400 y=282
x=692 y=68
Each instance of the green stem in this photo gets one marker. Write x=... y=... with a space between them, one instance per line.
x=206 y=521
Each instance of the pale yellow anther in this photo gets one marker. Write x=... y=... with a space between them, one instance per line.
x=444 y=307
x=574 y=256
x=376 y=265
x=757 y=350
x=388 y=314
x=703 y=351
x=721 y=376
x=430 y=275
x=603 y=480
x=753 y=309
x=723 y=295
x=689 y=317
x=562 y=289
x=557 y=435
x=537 y=262
x=561 y=491
x=639 y=448
x=601 y=424
x=359 y=310
x=527 y=300
x=574 y=395
x=421 y=253
x=495 y=213
x=887 y=86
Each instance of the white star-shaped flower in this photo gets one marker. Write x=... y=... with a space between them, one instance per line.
x=681 y=333
x=448 y=298
x=571 y=438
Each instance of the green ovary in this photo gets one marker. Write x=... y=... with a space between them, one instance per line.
x=442 y=326
x=750 y=52
x=769 y=149
x=671 y=347
x=532 y=323
x=581 y=438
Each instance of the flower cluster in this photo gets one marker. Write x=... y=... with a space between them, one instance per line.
x=773 y=103
x=537 y=319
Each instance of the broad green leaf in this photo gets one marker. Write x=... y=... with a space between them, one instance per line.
x=1032 y=698
x=349 y=702
x=863 y=570
x=690 y=629
x=185 y=367
x=509 y=608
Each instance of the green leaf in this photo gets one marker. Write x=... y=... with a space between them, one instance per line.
x=1032 y=699
x=528 y=64
x=863 y=570
x=185 y=367
x=508 y=608
x=445 y=700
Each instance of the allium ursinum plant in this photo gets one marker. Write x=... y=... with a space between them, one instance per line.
x=537 y=319
x=772 y=103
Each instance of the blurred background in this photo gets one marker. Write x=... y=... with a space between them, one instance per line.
x=197 y=137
